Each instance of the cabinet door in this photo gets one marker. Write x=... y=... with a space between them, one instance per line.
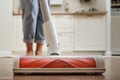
x=64 y=28
x=18 y=37
x=89 y=33
x=115 y=40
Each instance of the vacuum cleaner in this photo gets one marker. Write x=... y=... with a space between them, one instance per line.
x=50 y=33
x=56 y=64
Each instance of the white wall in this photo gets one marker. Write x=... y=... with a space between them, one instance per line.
x=6 y=25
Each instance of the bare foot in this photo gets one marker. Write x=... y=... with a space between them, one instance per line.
x=29 y=53
x=29 y=49
x=38 y=51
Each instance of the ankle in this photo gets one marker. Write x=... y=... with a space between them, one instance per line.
x=37 y=53
x=29 y=49
x=29 y=54
x=38 y=49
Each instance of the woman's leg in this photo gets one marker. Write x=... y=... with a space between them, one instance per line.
x=39 y=48
x=39 y=36
x=29 y=49
x=30 y=9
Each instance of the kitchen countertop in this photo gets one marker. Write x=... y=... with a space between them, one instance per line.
x=73 y=13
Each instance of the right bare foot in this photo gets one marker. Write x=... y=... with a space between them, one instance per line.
x=38 y=51
x=29 y=49
x=29 y=53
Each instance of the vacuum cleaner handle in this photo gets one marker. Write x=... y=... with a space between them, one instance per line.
x=50 y=33
x=45 y=10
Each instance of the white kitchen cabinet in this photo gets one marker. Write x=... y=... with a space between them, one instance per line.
x=89 y=33
x=18 y=35
x=115 y=33
x=75 y=33
x=64 y=28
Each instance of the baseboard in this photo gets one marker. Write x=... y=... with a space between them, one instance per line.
x=115 y=51
x=67 y=53
x=5 y=52
x=116 y=54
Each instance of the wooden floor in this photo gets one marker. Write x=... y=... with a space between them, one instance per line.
x=112 y=73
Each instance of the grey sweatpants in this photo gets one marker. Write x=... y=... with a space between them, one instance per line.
x=32 y=21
